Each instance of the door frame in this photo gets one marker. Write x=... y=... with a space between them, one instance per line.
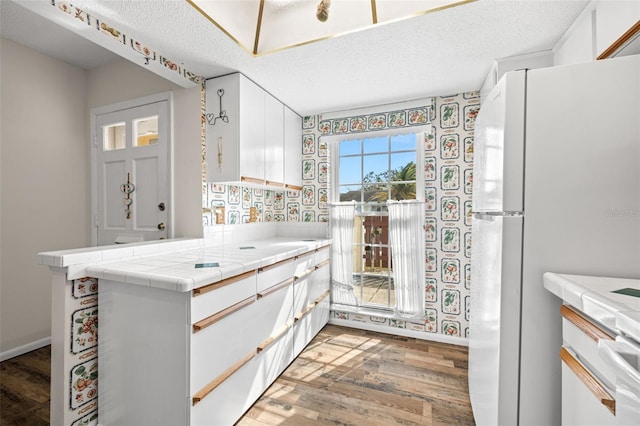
x=132 y=103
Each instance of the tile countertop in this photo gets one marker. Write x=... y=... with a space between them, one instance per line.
x=595 y=297
x=171 y=264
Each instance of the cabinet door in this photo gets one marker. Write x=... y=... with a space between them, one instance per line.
x=222 y=137
x=251 y=140
x=274 y=140
x=292 y=149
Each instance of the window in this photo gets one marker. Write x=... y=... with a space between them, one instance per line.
x=371 y=171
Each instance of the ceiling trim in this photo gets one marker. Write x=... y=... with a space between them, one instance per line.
x=77 y=20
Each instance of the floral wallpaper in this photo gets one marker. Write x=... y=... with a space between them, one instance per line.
x=448 y=155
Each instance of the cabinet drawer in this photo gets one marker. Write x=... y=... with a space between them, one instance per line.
x=219 y=345
x=304 y=264
x=225 y=404
x=274 y=311
x=274 y=274
x=584 y=400
x=581 y=336
x=236 y=392
x=215 y=297
x=309 y=322
x=309 y=288
x=322 y=254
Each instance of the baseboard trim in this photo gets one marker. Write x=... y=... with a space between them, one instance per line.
x=460 y=341
x=11 y=353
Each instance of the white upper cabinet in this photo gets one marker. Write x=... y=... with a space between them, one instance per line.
x=292 y=149
x=248 y=135
x=273 y=142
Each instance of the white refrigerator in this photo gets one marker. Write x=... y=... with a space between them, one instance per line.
x=556 y=188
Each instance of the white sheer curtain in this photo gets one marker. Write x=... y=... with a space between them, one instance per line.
x=407 y=255
x=341 y=221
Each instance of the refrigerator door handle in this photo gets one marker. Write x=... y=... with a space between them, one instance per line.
x=491 y=215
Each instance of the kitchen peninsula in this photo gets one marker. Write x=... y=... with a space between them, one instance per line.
x=186 y=326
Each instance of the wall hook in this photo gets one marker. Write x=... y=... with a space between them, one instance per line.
x=211 y=118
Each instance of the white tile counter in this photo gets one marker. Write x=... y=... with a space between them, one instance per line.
x=171 y=265
x=594 y=297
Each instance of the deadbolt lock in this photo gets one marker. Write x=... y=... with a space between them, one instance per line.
x=161 y=207
x=161 y=226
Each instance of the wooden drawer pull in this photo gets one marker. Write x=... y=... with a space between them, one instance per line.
x=252 y=180
x=275 y=288
x=278 y=334
x=210 y=387
x=589 y=381
x=304 y=312
x=323 y=264
x=322 y=297
x=214 y=286
x=594 y=332
x=305 y=273
x=274 y=183
x=275 y=265
x=210 y=320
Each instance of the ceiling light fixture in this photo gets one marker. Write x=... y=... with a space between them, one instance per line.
x=266 y=26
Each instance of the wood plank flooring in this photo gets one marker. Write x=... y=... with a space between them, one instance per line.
x=24 y=388
x=352 y=377
x=344 y=377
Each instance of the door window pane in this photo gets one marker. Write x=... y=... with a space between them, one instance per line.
x=146 y=131
x=114 y=137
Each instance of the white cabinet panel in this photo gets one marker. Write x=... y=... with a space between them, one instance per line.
x=208 y=300
x=274 y=274
x=273 y=141
x=309 y=325
x=225 y=404
x=217 y=347
x=304 y=264
x=292 y=149
x=252 y=135
x=579 y=405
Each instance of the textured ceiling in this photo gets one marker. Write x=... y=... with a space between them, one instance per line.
x=442 y=53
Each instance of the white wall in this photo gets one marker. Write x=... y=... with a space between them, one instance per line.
x=44 y=184
x=45 y=173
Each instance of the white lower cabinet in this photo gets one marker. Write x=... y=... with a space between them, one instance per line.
x=204 y=357
x=588 y=397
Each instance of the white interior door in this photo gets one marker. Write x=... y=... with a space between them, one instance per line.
x=132 y=174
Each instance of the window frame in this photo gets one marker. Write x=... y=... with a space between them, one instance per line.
x=333 y=143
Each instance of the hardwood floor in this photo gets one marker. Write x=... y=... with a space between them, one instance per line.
x=24 y=388
x=344 y=377
x=353 y=377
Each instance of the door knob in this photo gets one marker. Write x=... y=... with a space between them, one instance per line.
x=161 y=207
x=161 y=226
